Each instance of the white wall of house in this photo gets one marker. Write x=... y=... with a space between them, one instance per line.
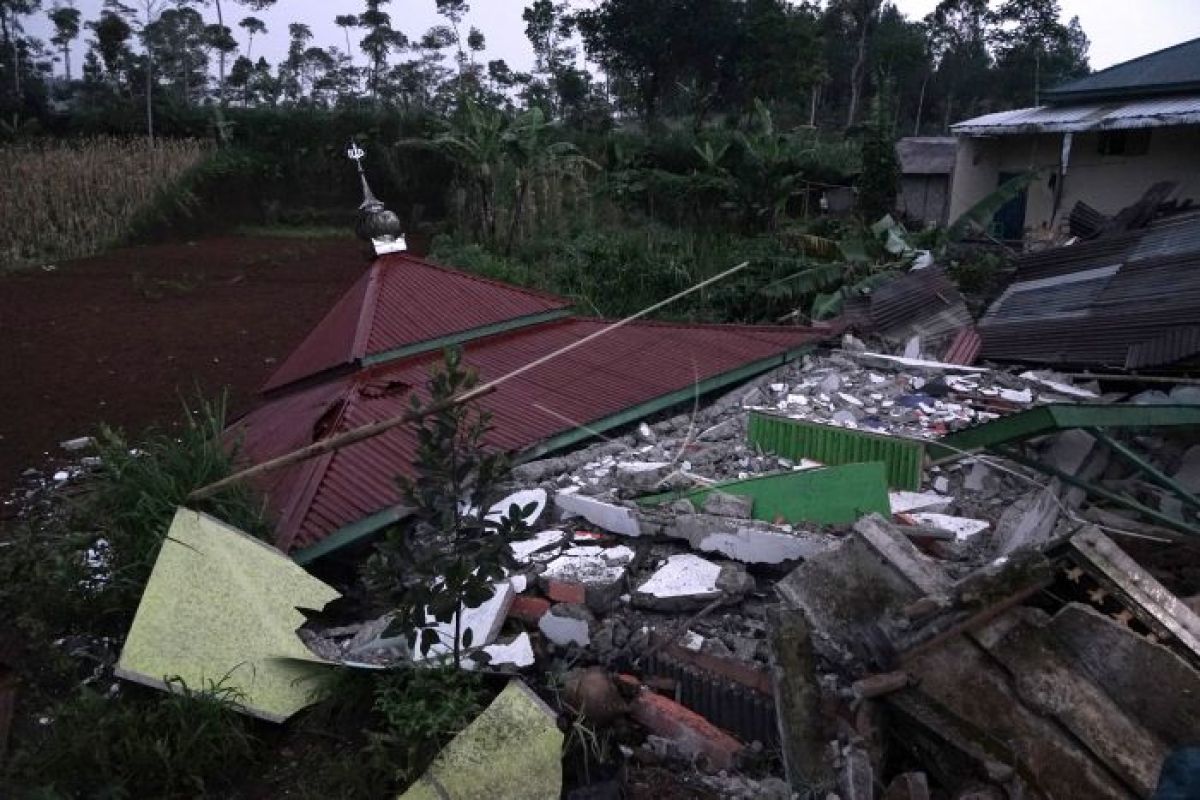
x=1106 y=182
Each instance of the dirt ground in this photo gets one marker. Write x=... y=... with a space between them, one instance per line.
x=119 y=338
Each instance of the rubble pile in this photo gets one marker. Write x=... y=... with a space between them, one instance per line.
x=724 y=634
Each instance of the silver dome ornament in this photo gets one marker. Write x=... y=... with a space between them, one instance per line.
x=375 y=224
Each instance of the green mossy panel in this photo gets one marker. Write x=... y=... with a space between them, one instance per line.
x=223 y=607
x=829 y=495
x=512 y=751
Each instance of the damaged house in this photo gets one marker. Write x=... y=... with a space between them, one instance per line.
x=1098 y=139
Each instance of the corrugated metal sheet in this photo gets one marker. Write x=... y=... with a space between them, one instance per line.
x=913 y=297
x=634 y=365
x=1140 y=311
x=965 y=348
x=401 y=301
x=829 y=444
x=1148 y=113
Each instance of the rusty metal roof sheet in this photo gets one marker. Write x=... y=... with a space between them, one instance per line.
x=621 y=373
x=1129 y=301
x=403 y=301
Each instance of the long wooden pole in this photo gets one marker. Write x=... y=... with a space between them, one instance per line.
x=375 y=428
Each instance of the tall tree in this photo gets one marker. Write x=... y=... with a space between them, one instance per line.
x=958 y=33
x=11 y=12
x=380 y=41
x=66 y=22
x=1033 y=49
x=862 y=18
x=346 y=22
x=253 y=26
x=142 y=17
x=112 y=34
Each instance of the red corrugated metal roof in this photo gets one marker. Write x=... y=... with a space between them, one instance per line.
x=402 y=300
x=627 y=368
x=964 y=350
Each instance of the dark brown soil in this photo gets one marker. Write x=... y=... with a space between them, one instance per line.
x=121 y=337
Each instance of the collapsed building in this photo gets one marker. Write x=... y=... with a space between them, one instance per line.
x=908 y=574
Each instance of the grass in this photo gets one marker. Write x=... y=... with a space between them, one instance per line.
x=68 y=199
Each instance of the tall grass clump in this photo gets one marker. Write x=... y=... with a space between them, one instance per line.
x=67 y=199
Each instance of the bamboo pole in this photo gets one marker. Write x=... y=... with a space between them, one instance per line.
x=374 y=429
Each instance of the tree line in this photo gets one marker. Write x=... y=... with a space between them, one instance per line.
x=688 y=62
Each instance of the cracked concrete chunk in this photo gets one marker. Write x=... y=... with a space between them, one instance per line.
x=610 y=517
x=747 y=541
x=567 y=623
x=722 y=504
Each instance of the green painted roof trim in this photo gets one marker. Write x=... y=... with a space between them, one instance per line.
x=462 y=337
x=1059 y=417
x=348 y=535
x=357 y=531
x=829 y=496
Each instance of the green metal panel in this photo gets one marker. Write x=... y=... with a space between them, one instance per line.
x=829 y=444
x=830 y=496
x=1057 y=417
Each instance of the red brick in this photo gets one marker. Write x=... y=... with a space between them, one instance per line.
x=692 y=733
x=564 y=592
x=528 y=609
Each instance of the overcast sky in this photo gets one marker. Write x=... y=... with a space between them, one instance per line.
x=1119 y=29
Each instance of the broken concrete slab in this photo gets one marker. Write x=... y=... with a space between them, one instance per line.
x=222 y=607
x=515 y=654
x=610 y=517
x=904 y=502
x=745 y=540
x=687 y=581
x=1048 y=685
x=804 y=728
x=1029 y=522
x=524 y=550
x=1146 y=679
x=591 y=575
x=854 y=586
x=963 y=528
x=512 y=751
x=722 y=504
x=521 y=499
x=483 y=621
x=568 y=624
x=642 y=476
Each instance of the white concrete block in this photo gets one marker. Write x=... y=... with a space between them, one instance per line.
x=612 y=518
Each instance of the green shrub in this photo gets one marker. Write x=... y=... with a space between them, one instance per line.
x=138 y=744
x=139 y=488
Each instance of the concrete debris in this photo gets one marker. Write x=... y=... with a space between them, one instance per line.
x=591 y=575
x=527 y=550
x=904 y=502
x=483 y=622
x=721 y=504
x=961 y=527
x=522 y=499
x=746 y=540
x=517 y=654
x=688 y=581
x=568 y=624
x=608 y=516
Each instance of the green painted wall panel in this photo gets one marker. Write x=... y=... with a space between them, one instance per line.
x=830 y=496
x=832 y=445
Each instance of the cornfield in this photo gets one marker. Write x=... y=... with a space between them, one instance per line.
x=70 y=199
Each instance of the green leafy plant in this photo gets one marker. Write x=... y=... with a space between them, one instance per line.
x=452 y=556
x=139 y=488
x=142 y=743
